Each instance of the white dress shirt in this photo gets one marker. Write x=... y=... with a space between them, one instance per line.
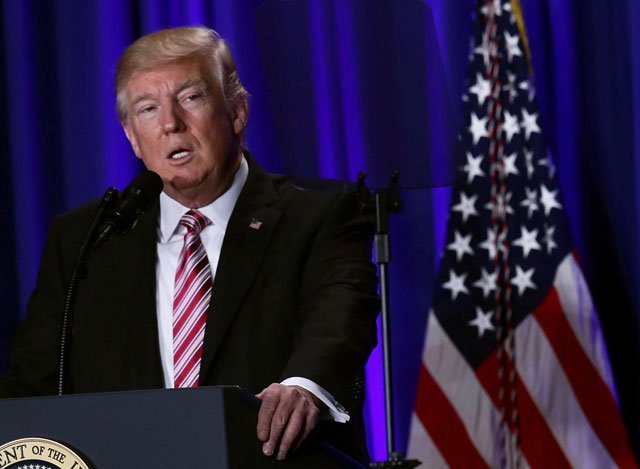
x=170 y=241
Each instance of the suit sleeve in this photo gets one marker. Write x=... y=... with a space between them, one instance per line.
x=338 y=304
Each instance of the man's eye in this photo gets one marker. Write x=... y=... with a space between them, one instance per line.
x=147 y=109
x=194 y=97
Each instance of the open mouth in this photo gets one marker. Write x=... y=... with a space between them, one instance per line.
x=178 y=154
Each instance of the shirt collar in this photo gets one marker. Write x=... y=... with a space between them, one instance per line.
x=219 y=211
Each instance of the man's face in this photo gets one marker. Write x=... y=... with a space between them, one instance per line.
x=179 y=126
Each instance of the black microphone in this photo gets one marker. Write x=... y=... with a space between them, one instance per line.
x=134 y=200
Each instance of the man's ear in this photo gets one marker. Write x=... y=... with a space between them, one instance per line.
x=132 y=139
x=240 y=118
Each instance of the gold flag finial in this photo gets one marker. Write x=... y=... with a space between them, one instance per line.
x=516 y=9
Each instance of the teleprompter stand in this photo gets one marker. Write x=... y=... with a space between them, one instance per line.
x=385 y=202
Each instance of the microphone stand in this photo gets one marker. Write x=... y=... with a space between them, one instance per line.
x=106 y=204
x=385 y=202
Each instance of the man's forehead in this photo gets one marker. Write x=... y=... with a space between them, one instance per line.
x=175 y=76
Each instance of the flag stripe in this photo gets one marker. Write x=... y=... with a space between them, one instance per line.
x=546 y=381
x=537 y=442
x=451 y=372
x=591 y=392
x=575 y=299
x=422 y=448
x=444 y=425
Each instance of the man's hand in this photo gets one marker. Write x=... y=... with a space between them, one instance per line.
x=287 y=416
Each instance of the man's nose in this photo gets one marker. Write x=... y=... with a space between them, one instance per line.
x=171 y=120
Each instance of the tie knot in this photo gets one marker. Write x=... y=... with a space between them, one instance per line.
x=194 y=221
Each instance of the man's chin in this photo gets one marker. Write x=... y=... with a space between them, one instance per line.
x=185 y=183
x=190 y=192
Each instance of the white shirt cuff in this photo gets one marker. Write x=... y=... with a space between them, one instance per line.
x=338 y=413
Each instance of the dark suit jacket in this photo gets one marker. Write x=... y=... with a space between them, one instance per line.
x=295 y=297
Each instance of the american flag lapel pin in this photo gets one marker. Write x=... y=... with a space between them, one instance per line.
x=255 y=224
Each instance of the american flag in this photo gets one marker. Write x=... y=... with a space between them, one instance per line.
x=514 y=369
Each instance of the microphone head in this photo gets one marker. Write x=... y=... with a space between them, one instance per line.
x=148 y=182
x=135 y=199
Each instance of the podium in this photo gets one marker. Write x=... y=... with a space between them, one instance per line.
x=176 y=428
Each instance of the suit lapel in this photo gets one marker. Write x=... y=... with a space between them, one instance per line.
x=136 y=252
x=246 y=240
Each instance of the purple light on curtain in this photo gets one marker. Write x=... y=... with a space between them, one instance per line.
x=223 y=19
x=118 y=161
x=176 y=13
x=151 y=16
x=441 y=68
x=352 y=118
x=327 y=140
x=452 y=23
x=30 y=214
x=440 y=123
x=374 y=404
x=565 y=97
x=439 y=9
x=441 y=198
x=194 y=12
x=441 y=136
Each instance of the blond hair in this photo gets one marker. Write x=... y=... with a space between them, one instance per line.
x=168 y=45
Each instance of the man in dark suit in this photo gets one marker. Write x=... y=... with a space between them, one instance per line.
x=289 y=291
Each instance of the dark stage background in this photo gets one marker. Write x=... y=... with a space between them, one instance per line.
x=338 y=87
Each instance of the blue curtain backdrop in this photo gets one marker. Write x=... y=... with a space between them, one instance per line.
x=322 y=105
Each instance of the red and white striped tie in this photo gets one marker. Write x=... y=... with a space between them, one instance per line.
x=191 y=297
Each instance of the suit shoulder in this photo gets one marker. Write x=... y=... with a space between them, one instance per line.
x=69 y=228
x=317 y=192
x=80 y=214
x=324 y=206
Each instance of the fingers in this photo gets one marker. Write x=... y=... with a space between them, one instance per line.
x=310 y=423
x=270 y=399
x=281 y=420
x=294 y=430
x=287 y=415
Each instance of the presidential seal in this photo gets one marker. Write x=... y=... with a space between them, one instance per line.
x=39 y=453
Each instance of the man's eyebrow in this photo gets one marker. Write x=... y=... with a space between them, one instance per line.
x=189 y=83
x=141 y=97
